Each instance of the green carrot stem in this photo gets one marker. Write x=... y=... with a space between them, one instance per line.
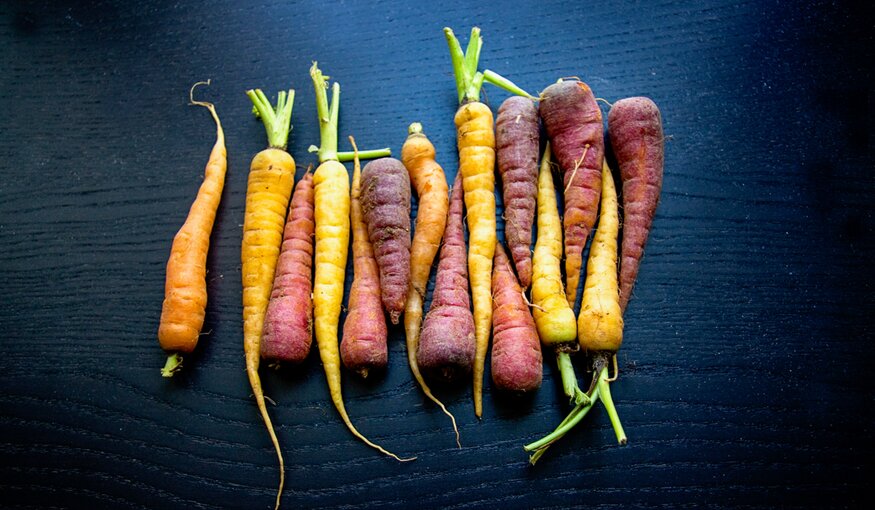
x=277 y=121
x=605 y=390
x=345 y=156
x=173 y=365
x=327 y=115
x=502 y=82
x=570 y=421
x=458 y=60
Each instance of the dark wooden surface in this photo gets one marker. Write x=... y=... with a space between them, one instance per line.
x=746 y=371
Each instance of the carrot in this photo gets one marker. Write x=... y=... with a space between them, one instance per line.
x=476 y=144
x=331 y=182
x=516 y=351
x=363 y=347
x=427 y=176
x=288 y=323
x=600 y=325
x=517 y=144
x=557 y=326
x=385 y=200
x=447 y=344
x=635 y=128
x=573 y=122
x=185 y=287
x=271 y=176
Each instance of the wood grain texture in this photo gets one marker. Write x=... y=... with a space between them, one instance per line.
x=746 y=368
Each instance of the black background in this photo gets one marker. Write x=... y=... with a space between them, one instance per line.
x=746 y=367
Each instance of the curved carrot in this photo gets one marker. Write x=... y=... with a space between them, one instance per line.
x=331 y=182
x=185 y=287
x=475 y=138
x=427 y=176
x=271 y=176
x=363 y=347
x=573 y=122
x=288 y=323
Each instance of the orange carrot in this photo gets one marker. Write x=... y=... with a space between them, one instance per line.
x=185 y=289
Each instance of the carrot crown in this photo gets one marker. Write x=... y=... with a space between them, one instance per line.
x=468 y=79
x=277 y=121
x=328 y=115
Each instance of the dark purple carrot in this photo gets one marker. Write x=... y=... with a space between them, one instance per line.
x=635 y=127
x=517 y=144
x=517 y=362
x=288 y=322
x=573 y=123
x=385 y=199
x=447 y=343
x=363 y=347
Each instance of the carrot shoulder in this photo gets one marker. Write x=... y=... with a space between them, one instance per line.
x=185 y=287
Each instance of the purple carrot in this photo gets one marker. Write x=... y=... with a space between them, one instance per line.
x=517 y=145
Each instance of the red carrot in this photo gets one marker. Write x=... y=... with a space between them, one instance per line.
x=363 y=347
x=517 y=145
x=516 y=349
x=447 y=343
x=635 y=127
x=573 y=122
x=288 y=322
x=385 y=198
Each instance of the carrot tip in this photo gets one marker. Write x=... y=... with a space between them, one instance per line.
x=173 y=365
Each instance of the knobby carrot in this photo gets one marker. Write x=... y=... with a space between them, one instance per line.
x=271 y=177
x=332 y=240
x=185 y=287
x=476 y=144
x=430 y=183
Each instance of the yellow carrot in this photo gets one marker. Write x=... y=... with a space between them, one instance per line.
x=554 y=318
x=185 y=289
x=271 y=177
x=332 y=202
x=476 y=144
x=600 y=324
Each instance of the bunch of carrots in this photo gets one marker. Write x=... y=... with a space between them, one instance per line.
x=296 y=236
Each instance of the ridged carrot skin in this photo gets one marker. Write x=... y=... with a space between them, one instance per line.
x=363 y=348
x=573 y=122
x=557 y=325
x=385 y=200
x=185 y=287
x=288 y=324
x=517 y=363
x=517 y=139
x=476 y=143
x=600 y=323
x=635 y=126
x=447 y=344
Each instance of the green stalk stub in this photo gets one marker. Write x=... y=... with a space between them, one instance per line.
x=277 y=121
x=327 y=115
x=345 y=156
x=173 y=365
x=468 y=79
